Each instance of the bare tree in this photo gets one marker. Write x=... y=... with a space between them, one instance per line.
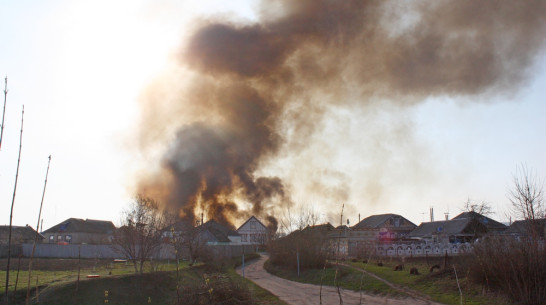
x=517 y=267
x=139 y=237
x=189 y=239
x=483 y=208
x=527 y=195
x=290 y=221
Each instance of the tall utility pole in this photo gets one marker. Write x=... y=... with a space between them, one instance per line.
x=36 y=235
x=4 y=112
x=12 y=202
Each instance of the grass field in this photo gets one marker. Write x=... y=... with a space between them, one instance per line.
x=57 y=284
x=347 y=277
x=49 y=272
x=439 y=285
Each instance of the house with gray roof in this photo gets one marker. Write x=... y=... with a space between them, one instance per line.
x=216 y=233
x=527 y=228
x=80 y=231
x=19 y=235
x=387 y=226
x=492 y=225
x=382 y=228
x=449 y=231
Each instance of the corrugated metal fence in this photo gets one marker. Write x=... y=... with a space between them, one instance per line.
x=111 y=251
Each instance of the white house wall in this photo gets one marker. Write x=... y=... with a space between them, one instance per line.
x=254 y=234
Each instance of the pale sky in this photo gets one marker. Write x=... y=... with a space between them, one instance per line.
x=80 y=68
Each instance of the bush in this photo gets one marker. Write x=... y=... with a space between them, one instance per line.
x=515 y=268
x=310 y=244
x=217 y=289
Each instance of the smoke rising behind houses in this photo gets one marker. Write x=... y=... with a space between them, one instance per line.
x=254 y=105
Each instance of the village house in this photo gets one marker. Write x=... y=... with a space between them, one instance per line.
x=80 y=231
x=253 y=232
x=218 y=234
x=383 y=228
x=19 y=235
x=492 y=225
x=461 y=230
x=521 y=229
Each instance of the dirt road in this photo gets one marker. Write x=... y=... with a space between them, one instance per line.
x=307 y=294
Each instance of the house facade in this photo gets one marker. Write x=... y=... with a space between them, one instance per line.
x=253 y=232
x=217 y=234
x=19 y=235
x=492 y=225
x=80 y=231
x=523 y=229
x=454 y=231
x=363 y=237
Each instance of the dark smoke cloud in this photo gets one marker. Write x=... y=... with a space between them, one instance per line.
x=257 y=83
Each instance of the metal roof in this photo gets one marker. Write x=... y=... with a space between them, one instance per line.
x=448 y=227
x=77 y=225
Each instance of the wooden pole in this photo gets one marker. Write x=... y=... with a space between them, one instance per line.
x=6 y=302
x=36 y=235
x=79 y=268
x=17 y=277
x=4 y=112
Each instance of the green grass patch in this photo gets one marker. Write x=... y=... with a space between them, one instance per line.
x=198 y=284
x=58 y=271
x=440 y=285
x=346 y=277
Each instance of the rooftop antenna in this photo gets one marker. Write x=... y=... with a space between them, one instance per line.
x=431 y=214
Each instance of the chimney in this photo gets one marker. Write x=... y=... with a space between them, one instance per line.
x=431 y=214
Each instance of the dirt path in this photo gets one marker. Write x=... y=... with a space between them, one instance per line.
x=308 y=294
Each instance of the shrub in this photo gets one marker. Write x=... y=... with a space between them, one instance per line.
x=311 y=245
x=217 y=289
x=515 y=268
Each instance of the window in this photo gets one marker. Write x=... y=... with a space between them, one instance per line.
x=59 y=238
x=253 y=224
x=397 y=222
x=52 y=238
x=243 y=237
x=68 y=238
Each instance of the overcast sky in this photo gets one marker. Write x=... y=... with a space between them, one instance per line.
x=80 y=69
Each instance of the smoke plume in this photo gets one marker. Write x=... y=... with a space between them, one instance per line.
x=254 y=86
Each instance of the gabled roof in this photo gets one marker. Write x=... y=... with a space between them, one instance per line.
x=179 y=226
x=375 y=221
x=251 y=218
x=523 y=226
x=321 y=228
x=448 y=227
x=77 y=225
x=489 y=223
x=220 y=232
x=19 y=232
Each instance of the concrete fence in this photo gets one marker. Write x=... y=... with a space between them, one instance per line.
x=422 y=249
